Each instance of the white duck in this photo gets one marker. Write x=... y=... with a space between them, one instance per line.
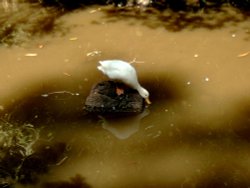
x=122 y=71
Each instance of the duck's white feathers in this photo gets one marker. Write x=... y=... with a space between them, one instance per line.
x=120 y=71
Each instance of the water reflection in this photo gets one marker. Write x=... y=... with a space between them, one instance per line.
x=177 y=21
x=17 y=26
x=123 y=127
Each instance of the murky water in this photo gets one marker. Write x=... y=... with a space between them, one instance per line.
x=195 y=133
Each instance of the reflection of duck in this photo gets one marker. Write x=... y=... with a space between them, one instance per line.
x=124 y=72
x=123 y=128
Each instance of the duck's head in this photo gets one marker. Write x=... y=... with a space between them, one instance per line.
x=145 y=94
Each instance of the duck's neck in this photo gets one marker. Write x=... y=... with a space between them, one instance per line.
x=141 y=90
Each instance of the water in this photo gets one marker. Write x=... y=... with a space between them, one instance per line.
x=195 y=133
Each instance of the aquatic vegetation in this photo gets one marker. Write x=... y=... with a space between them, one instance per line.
x=16 y=144
x=22 y=136
x=19 y=161
x=25 y=22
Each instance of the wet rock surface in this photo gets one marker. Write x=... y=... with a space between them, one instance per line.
x=104 y=99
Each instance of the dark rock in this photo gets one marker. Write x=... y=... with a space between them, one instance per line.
x=104 y=99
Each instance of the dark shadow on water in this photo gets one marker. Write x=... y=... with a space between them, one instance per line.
x=184 y=135
x=242 y=124
x=226 y=174
x=58 y=106
x=229 y=131
x=18 y=166
x=25 y=154
x=63 y=109
x=223 y=147
x=178 y=20
x=67 y=106
x=38 y=163
x=75 y=182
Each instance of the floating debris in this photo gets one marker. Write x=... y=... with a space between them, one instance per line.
x=143 y=2
x=149 y=127
x=62 y=161
x=40 y=46
x=67 y=74
x=196 y=55
x=188 y=83
x=59 y=92
x=73 y=38
x=207 y=79
x=157 y=134
x=244 y=54
x=94 y=11
x=31 y=54
x=136 y=61
x=93 y=53
x=1 y=107
x=233 y=35
x=45 y=95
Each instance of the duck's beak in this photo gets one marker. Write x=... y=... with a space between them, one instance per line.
x=147 y=101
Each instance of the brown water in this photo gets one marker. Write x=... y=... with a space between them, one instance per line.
x=195 y=133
